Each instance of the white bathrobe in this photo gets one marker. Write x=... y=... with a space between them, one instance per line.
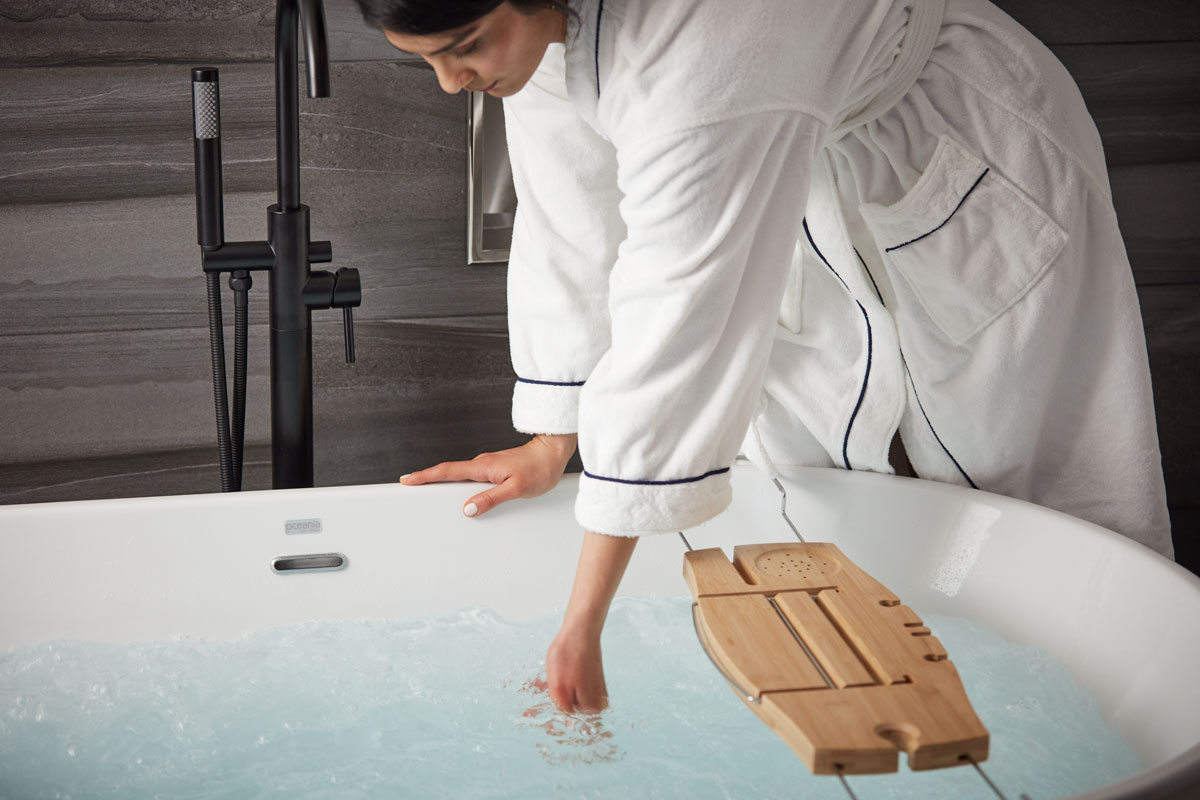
x=773 y=226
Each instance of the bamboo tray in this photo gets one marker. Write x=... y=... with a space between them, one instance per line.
x=828 y=658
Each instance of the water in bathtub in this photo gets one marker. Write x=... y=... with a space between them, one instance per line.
x=452 y=706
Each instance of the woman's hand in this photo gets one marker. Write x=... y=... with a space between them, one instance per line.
x=532 y=469
x=574 y=670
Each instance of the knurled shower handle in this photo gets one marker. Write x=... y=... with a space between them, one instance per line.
x=206 y=134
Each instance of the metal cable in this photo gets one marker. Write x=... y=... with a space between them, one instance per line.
x=737 y=687
x=783 y=509
x=986 y=779
x=845 y=785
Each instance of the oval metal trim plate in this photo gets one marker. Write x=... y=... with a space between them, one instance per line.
x=308 y=562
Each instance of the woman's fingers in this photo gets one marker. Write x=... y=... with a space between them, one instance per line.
x=591 y=698
x=526 y=471
x=506 y=488
x=487 y=500
x=448 y=471
x=562 y=696
x=583 y=699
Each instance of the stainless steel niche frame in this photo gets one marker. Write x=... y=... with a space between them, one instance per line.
x=491 y=198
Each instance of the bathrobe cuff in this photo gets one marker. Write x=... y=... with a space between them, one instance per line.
x=713 y=215
x=628 y=508
x=546 y=407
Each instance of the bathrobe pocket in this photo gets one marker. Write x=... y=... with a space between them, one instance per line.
x=967 y=241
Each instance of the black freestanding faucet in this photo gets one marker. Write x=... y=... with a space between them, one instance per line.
x=287 y=255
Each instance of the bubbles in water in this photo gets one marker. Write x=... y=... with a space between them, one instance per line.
x=456 y=706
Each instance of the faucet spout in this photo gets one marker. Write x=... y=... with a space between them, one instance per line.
x=316 y=47
x=289 y=14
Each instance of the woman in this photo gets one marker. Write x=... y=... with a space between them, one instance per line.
x=762 y=225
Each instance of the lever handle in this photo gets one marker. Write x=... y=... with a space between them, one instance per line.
x=336 y=290
x=347 y=289
x=348 y=329
x=347 y=293
x=206 y=139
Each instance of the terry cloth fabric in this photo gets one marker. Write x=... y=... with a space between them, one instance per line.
x=761 y=221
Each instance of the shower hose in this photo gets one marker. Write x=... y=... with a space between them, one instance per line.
x=230 y=441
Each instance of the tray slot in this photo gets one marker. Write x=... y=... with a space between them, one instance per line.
x=823 y=640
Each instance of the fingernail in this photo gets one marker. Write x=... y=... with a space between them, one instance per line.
x=402 y=477
x=470 y=509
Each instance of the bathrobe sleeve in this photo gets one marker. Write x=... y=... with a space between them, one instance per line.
x=565 y=239
x=713 y=213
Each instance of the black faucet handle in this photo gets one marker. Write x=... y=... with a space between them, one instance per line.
x=341 y=290
x=318 y=289
x=347 y=289
x=329 y=290
x=347 y=293
x=348 y=332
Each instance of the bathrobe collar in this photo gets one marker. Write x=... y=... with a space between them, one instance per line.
x=582 y=58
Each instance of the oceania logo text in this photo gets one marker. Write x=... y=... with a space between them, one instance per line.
x=302 y=526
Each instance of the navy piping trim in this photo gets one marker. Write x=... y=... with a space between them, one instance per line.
x=599 y=14
x=862 y=392
x=816 y=249
x=708 y=474
x=551 y=383
x=952 y=213
x=907 y=372
x=932 y=429
x=872 y=277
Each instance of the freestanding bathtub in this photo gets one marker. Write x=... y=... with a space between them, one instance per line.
x=1123 y=620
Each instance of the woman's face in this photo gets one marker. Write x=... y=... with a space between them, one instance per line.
x=497 y=53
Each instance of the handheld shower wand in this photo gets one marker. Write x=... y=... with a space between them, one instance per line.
x=206 y=140
x=210 y=235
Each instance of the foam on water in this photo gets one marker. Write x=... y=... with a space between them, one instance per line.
x=450 y=707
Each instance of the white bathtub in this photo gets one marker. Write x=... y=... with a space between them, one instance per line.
x=1124 y=621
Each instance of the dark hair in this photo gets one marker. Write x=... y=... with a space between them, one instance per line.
x=427 y=17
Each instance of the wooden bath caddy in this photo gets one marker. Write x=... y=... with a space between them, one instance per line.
x=886 y=684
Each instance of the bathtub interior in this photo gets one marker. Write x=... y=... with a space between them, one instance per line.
x=1120 y=618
